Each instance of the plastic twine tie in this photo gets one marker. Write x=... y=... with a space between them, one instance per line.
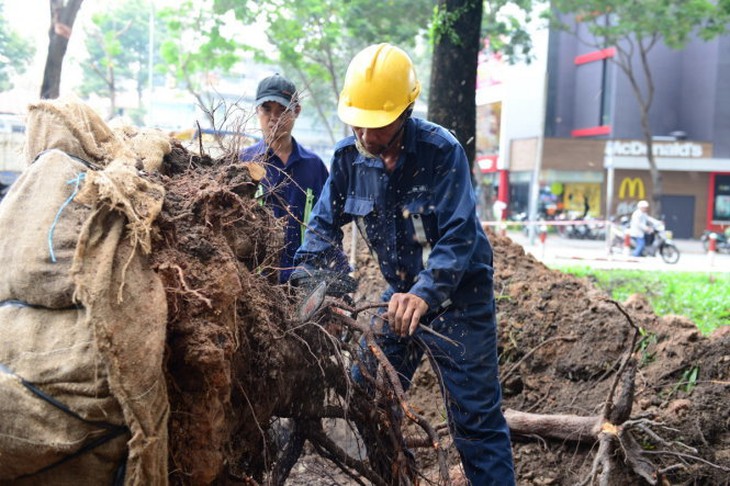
x=77 y=181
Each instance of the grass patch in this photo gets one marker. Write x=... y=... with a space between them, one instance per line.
x=703 y=298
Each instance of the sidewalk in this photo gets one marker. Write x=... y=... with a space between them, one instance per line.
x=562 y=252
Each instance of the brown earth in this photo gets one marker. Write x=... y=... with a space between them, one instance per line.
x=213 y=237
x=236 y=357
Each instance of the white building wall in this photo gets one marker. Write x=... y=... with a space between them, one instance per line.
x=521 y=91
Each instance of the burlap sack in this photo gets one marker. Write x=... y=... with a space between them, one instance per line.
x=149 y=145
x=38 y=222
x=73 y=127
x=123 y=301
x=56 y=352
x=125 y=304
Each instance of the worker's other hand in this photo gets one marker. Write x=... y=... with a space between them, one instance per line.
x=405 y=312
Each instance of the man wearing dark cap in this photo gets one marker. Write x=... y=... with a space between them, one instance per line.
x=294 y=175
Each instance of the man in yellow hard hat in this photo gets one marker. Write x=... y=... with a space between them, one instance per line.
x=406 y=184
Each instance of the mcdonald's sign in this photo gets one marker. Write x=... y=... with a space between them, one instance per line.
x=635 y=187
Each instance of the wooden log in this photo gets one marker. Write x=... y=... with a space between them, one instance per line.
x=565 y=427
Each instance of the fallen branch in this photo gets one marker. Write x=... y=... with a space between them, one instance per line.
x=563 y=427
x=618 y=452
x=369 y=337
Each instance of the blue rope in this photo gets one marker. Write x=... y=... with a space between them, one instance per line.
x=112 y=430
x=80 y=177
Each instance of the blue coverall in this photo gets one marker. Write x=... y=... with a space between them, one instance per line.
x=285 y=191
x=430 y=188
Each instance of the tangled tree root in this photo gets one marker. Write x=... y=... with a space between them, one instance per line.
x=618 y=436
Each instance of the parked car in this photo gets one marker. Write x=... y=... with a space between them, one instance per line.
x=11 y=123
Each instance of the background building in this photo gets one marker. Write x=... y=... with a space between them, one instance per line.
x=592 y=126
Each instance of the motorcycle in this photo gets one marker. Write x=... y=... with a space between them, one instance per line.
x=585 y=228
x=520 y=220
x=722 y=243
x=658 y=242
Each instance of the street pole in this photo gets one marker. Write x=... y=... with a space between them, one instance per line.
x=608 y=161
x=535 y=185
x=353 y=247
x=608 y=164
x=151 y=61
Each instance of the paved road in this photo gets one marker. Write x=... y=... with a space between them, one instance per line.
x=558 y=251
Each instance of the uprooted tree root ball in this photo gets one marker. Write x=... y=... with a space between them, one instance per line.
x=237 y=360
x=215 y=249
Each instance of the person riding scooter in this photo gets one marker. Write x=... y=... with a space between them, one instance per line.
x=641 y=229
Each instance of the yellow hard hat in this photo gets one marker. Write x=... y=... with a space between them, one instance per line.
x=379 y=85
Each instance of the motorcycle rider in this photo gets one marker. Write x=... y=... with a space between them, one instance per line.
x=641 y=228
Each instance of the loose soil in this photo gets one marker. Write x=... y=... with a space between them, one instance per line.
x=234 y=361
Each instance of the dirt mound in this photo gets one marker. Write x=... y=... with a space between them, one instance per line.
x=562 y=342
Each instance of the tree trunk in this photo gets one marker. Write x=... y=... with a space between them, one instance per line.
x=451 y=102
x=63 y=15
x=657 y=186
x=112 y=92
x=645 y=99
x=645 y=105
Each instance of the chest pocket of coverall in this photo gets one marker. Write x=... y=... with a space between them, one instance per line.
x=359 y=208
x=422 y=223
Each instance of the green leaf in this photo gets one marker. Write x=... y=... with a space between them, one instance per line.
x=16 y=53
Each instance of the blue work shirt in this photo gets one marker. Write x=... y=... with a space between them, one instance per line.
x=431 y=183
x=285 y=191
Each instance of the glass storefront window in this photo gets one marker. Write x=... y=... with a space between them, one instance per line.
x=721 y=204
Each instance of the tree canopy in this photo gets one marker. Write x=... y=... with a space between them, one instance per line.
x=117 y=44
x=196 y=47
x=612 y=22
x=15 y=52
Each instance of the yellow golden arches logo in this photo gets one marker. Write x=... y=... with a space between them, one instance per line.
x=635 y=188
